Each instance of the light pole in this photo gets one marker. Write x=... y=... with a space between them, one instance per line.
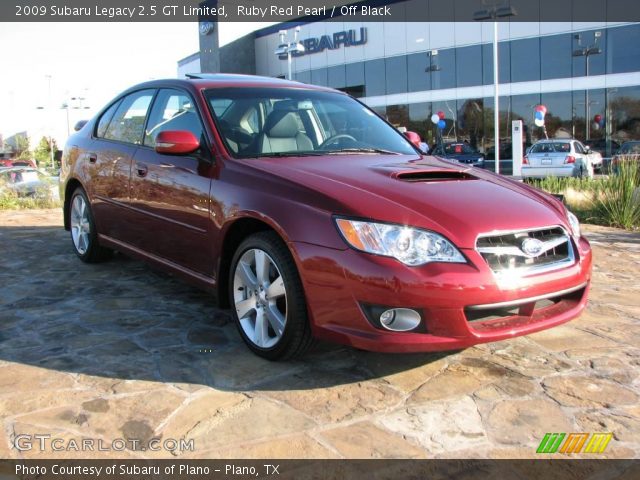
x=48 y=77
x=434 y=67
x=586 y=52
x=494 y=13
x=289 y=48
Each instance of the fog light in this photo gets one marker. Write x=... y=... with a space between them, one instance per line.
x=400 y=319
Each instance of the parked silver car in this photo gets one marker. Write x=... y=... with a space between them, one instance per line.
x=560 y=158
x=28 y=182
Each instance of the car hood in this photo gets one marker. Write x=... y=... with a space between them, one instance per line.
x=457 y=201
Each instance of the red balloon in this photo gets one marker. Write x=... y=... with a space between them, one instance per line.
x=597 y=118
x=441 y=115
x=541 y=108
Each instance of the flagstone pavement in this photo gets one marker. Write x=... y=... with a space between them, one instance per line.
x=131 y=361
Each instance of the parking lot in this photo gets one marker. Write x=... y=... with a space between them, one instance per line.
x=120 y=351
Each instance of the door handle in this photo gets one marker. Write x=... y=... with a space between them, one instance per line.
x=93 y=158
x=141 y=169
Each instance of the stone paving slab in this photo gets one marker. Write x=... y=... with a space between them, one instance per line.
x=120 y=351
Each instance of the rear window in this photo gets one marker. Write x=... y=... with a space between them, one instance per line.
x=551 y=147
x=458 y=148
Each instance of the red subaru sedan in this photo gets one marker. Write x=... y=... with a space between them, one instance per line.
x=311 y=217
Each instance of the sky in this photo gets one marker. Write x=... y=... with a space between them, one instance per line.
x=94 y=61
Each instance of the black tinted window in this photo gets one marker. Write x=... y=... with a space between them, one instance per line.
x=623 y=49
x=525 y=60
x=556 y=54
x=128 y=122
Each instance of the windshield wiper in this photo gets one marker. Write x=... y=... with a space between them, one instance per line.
x=362 y=150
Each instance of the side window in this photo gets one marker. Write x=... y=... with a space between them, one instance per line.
x=128 y=122
x=105 y=119
x=172 y=110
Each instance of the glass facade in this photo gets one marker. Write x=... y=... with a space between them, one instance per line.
x=572 y=113
x=472 y=119
x=587 y=53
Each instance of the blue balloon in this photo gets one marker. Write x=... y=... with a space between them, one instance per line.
x=540 y=115
x=442 y=124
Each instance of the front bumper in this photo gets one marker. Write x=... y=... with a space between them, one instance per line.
x=451 y=298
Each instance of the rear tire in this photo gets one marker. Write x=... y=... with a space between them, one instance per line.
x=267 y=298
x=84 y=236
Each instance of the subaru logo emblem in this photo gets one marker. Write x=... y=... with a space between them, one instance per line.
x=532 y=247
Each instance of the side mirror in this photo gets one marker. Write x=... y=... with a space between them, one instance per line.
x=176 y=142
x=78 y=126
x=587 y=148
x=414 y=138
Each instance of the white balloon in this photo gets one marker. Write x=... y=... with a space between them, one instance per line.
x=539 y=123
x=435 y=118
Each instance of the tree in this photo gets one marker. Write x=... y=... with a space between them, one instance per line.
x=42 y=152
x=22 y=148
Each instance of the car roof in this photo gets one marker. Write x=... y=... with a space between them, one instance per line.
x=556 y=140
x=222 y=80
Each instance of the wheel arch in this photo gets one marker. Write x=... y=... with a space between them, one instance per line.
x=69 y=188
x=234 y=234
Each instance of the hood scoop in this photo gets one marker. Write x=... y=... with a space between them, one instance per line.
x=434 y=176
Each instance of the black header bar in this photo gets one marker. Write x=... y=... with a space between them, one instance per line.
x=302 y=11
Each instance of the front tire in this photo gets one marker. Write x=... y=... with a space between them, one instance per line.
x=267 y=298
x=84 y=236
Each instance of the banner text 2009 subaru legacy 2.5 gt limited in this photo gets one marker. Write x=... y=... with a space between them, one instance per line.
x=311 y=217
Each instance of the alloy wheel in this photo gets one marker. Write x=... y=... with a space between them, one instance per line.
x=80 y=225
x=260 y=298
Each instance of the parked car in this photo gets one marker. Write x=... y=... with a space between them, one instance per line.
x=460 y=152
x=28 y=182
x=12 y=162
x=313 y=228
x=559 y=158
x=628 y=151
x=600 y=145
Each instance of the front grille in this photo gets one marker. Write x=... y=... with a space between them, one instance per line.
x=548 y=249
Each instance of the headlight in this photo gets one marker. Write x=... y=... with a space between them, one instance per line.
x=575 y=224
x=411 y=246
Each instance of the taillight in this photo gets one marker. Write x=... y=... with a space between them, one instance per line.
x=525 y=160
x=570 y=159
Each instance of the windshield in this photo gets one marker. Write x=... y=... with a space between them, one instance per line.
x=458 y=148
x=264 y=122
x=555 y=147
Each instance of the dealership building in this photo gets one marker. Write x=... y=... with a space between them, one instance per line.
x=587 y=74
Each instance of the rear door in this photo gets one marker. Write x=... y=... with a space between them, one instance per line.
x=118 y=134
x=170 y=193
